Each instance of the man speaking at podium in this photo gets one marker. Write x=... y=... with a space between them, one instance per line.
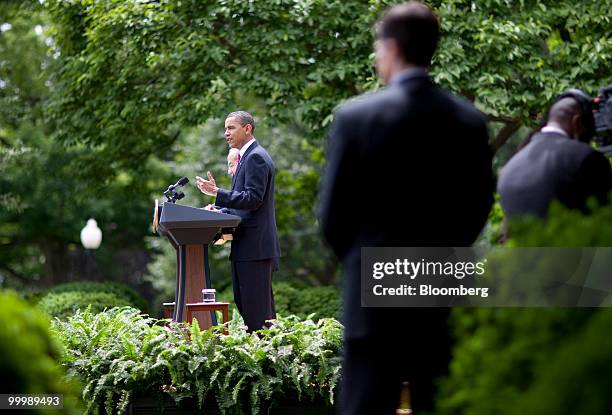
x=255 y=248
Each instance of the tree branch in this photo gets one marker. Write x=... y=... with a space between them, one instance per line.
x=14 y=273
x=502 y=118
x=504 y=134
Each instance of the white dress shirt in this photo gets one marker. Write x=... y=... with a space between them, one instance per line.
x=246 y=147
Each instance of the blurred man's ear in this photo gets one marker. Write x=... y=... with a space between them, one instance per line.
x=394 y=49
x=580 y=131
x=576 y=127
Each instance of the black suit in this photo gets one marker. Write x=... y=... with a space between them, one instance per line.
x=407 y=166
x=551 y=167
x=255 y=248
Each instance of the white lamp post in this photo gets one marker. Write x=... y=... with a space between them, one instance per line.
x=91 y=237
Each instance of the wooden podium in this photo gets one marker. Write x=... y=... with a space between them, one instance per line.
x=190 y=230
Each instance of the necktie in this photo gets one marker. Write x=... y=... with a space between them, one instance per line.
x=238 y=158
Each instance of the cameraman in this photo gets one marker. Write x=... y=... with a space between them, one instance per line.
x=558 y=163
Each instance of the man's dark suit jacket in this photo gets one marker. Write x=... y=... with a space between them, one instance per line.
x=409 y=165
x=252 y=198
x=551 y=167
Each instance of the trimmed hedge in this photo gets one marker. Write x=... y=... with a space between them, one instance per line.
x=301 y=301
x=323 y=302
x=121 y=290
x=64 y=300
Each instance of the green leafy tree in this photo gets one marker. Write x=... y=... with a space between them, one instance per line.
x=43 y=200
x=131 y=67
x=135 y=73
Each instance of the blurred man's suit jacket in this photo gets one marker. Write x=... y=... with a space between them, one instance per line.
x=553 y=167
x=409 y=165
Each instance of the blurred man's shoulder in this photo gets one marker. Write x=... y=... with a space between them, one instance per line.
x=369 y=102
x=465 y=108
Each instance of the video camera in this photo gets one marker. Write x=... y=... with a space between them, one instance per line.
x=173 y=193
x=602 y=112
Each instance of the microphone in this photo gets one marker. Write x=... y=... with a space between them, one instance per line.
x=182 y=182
x=172 y=195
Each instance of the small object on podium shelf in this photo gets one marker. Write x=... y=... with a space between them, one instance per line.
x=208 y=295
x=224 y=238
x=404 y=408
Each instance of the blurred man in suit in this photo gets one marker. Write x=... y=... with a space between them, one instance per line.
x=558 y=163
x=409 y=165
x=255 y=248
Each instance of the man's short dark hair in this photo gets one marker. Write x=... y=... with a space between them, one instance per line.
x=244 y=118
x=416 y=29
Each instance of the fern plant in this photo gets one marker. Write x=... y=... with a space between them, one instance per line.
x=120 y=354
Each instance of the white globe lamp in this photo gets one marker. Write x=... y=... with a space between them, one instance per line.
x=91 y=235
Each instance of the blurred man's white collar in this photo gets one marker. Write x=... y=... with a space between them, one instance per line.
x=246 y=146
x=554 y=129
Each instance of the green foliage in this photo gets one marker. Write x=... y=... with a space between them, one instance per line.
x=120 y=290
x=502 y=353
x=136 y=75
x=514 y=57
x=303 y=301
x=577 y=378
x=30 y=353
x=42 y=214
x=492 y=232
x=120 y=354
x=132 y=67
x=22 y=55
x=43 y=201
x=564 y=227
x=535 y=361
x=181 y=62
x=64 y=300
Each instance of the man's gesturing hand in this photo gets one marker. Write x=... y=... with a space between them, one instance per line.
x=208 y=187
x=211 y=208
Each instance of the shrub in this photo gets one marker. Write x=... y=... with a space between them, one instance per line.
x=535 y=361
x=29 y=353
x=299 y=300
x=120 y=354
x=577 y=380
x=65 y=304
x=120 y=290
x=64 y=300
x=499 y=353
x=302 y=301
x=564 y=227
x=493 y=229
